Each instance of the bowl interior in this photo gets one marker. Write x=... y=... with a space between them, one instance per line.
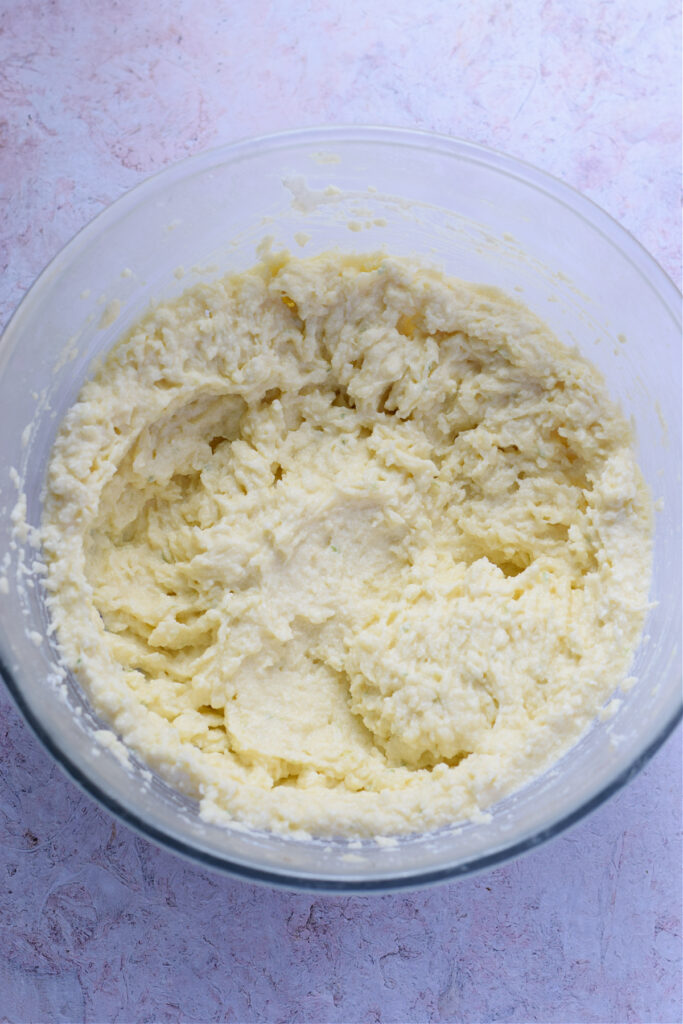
x=478 y=215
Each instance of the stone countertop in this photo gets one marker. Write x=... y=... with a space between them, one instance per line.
x=97 y=924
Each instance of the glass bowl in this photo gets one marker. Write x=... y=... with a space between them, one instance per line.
x=481 y=216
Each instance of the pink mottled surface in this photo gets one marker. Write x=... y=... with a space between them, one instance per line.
x=95 y=923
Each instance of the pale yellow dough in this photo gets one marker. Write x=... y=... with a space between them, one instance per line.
x=342 y=546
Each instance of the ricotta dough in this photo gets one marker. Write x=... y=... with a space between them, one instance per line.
x=344 y=546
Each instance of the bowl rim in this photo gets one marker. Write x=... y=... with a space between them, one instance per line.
x=529 y=174
x=543 y=180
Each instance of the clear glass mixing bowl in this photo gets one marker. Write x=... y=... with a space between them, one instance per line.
x=483 y=217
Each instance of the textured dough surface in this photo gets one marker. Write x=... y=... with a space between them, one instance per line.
x=343 y=546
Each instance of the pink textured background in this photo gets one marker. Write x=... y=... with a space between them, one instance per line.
x=95 y=923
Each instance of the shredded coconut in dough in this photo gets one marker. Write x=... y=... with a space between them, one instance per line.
x=343 y=546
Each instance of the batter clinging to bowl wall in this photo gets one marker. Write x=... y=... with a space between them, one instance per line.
x=343 y=546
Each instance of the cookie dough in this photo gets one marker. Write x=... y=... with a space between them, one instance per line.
x=344 y=546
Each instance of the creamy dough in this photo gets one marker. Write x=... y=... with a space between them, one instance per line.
x=342 y=546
